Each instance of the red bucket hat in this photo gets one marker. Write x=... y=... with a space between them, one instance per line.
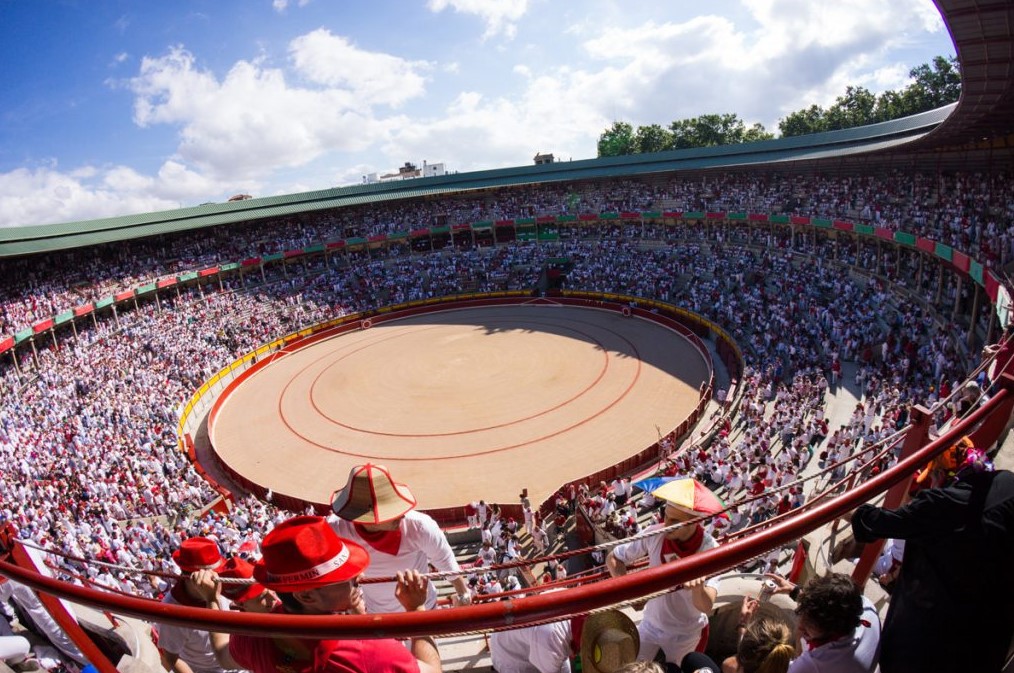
x=304 y=553
x=372 y=496
x=198 y=553
x=239 y=568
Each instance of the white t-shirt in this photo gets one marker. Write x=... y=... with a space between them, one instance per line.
x=422 y=544
x=191 y=645
x=673 y=613
x=536 y=649
x=857 y=654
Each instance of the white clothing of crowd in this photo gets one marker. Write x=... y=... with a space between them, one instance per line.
x=972 y=213
x=89 y=463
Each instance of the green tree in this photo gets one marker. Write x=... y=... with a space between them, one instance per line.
x=890 y=105
x=683 y=134
x=652 y=138
x=617 y=140
x=757 y=132
x=710 y=130
x=935 y=85
x=802 y=122
x=854 y=108
x=713 y=130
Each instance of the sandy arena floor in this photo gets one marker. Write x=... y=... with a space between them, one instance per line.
x=463 y=404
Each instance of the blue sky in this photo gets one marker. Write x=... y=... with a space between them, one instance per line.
x=116 y=107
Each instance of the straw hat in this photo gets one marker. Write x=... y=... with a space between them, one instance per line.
x=608 y=640
x=304 y=553
x=372 y=496
x=198 y=553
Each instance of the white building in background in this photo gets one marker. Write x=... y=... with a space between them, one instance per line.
x=406 y=172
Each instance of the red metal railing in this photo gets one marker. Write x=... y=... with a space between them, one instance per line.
x=995 y=412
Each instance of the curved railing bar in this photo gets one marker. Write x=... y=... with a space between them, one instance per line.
x=530 y=609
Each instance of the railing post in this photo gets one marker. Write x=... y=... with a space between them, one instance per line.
x=59 y=613
x=916 y=438
x=991 y=430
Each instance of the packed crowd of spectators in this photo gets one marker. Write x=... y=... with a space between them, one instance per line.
x=89 y=461
x=970 y=212
x=796 y=323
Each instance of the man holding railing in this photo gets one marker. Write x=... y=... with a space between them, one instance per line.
x=316 y=572
x=380 y=514
x=676 y=622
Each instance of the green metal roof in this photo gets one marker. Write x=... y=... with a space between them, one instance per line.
x=16 y=241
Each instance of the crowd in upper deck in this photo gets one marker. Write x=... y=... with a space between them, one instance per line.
x=972 y=213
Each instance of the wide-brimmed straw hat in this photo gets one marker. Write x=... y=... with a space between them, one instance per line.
x=198 y=553
x=608 y=640
x=372 y=496
x=304 y=553
x=239 y=568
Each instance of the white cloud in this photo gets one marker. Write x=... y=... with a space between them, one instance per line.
x=253 y=121
x=500 y=16
x=352 y=175
x=787 y=24
x=235 y=131
x=46 y=194
x=790 y=53
x=658 y=72
x=476 y=131
x=893 y=76
x=822 y=48
x=281 y=5
x=269 y=127
x=372 y=77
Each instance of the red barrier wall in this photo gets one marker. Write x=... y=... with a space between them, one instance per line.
x=453 y=516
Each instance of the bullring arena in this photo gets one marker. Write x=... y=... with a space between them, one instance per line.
x=462 y=404
x=327 y=329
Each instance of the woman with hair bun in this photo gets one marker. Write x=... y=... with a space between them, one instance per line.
x=767 y=646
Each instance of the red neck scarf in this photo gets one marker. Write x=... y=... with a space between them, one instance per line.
x=817 y=642
x=684 y=547
x=387 y=541
x=814 y=644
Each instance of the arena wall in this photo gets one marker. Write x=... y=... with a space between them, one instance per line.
x=688 y=325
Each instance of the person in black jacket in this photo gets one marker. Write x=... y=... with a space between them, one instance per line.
x=952 y=607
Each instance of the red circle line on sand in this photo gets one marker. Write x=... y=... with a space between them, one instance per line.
x=619 y=398
x=379 y=433
x=312 y=363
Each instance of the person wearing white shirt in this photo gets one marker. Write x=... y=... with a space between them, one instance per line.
x=544 y=648
x=839 y=627
x=378 y=513
x=186 y=649
x=673 y=622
